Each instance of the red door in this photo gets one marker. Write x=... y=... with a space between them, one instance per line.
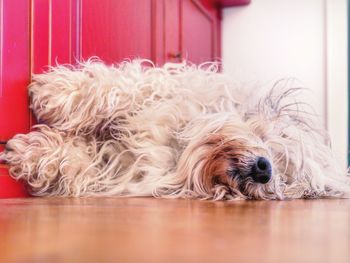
x=38 y=33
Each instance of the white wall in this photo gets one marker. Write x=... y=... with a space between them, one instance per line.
x=337 y=75
x=273 y=39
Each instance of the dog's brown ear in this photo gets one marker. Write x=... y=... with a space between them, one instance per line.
x=215 y=171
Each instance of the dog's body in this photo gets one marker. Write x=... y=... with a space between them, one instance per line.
x=175 y=131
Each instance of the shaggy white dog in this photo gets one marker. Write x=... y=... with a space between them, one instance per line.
x=134 y=129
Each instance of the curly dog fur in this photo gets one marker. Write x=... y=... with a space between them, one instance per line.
x=181 y=130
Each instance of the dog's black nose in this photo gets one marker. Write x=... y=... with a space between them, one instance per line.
x=261 y=170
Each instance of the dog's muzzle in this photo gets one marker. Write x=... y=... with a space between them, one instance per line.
x=261 y=171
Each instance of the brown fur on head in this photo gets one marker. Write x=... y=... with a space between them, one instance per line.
x=229 y=162
x=224 y=151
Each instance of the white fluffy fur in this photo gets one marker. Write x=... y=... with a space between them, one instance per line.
x=134 y=129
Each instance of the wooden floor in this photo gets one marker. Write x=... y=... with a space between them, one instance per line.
x=152 y=230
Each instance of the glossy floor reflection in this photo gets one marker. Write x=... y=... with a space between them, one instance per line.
x=154 y=230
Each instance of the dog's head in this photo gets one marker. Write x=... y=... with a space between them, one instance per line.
x=227 y=157
x=239 y=162
x=271 y=150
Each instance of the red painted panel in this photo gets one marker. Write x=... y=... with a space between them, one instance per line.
x=14 y=67
x=227 y=3
x=114 y=30
x=158 y=31
x=215 y=12
x=40 y=35
x=61 y=27
x=209 y=4
x=197 y=32
x=10 y=188
x=75 y=23
x=54 y=33
x=172 y=31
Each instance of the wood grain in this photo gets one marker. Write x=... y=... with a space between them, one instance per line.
x=153 y=230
